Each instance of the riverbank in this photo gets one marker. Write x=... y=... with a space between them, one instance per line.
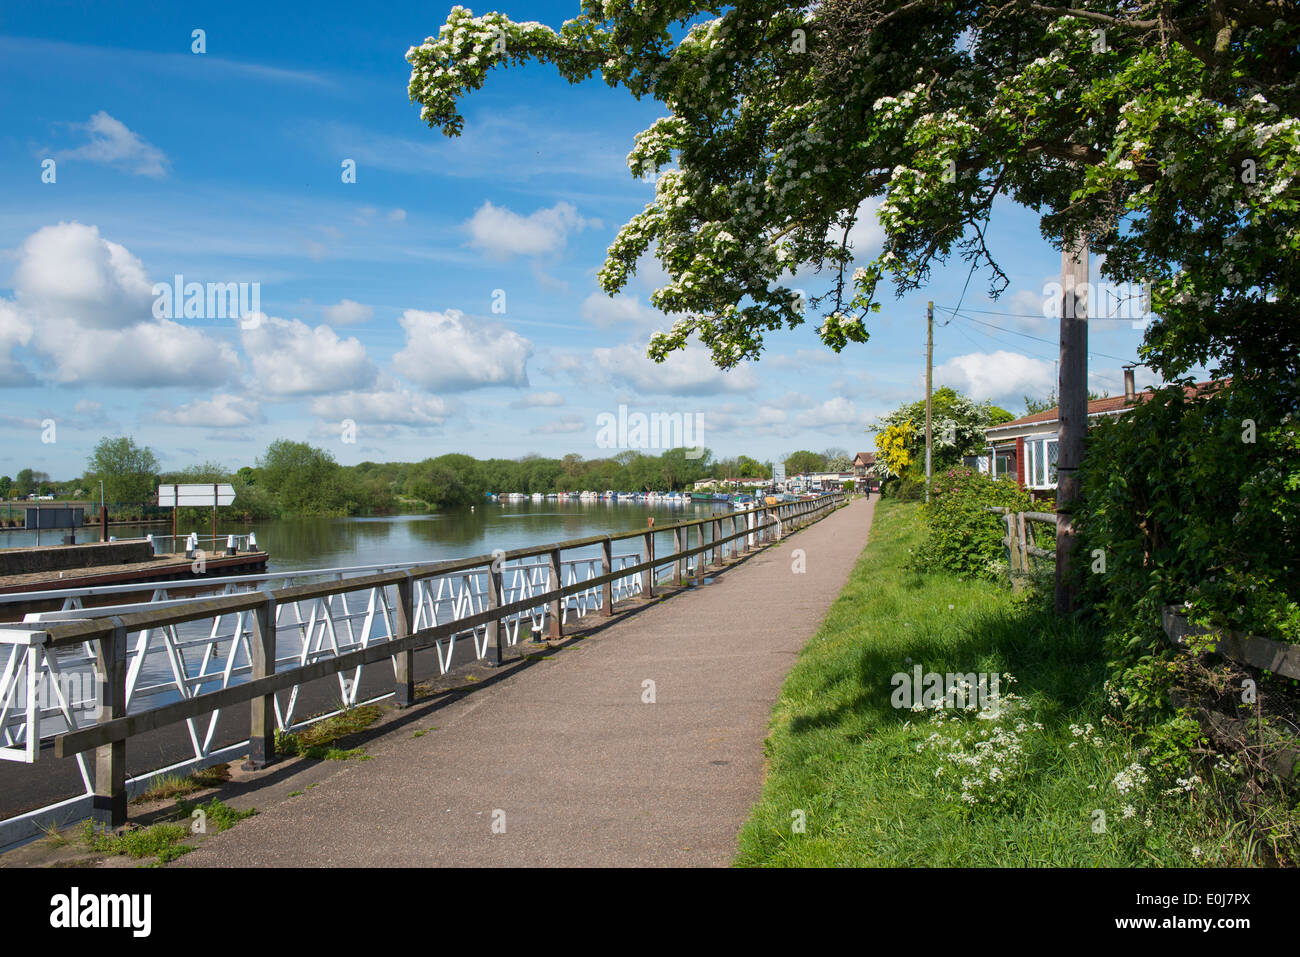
x=634 y=743
x=855 y=780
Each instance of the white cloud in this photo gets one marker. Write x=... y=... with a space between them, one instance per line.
x=391 y=405
x=502 y=233
x=833 y=414
x=1035 y=303
x=14 y=331
x=538 y=400
x=649 y=272
x=397 y=216
x=999 y=376
x=113 y=144
x=568 y=424
x=606 y=311
x=291 y=358
x=348 y=313
x=867 y=235
x=69 y=272
x=221 y=411
x=689 y=371
x=86 y=305
x=446 y=350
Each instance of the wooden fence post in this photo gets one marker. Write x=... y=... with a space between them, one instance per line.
x=108 y=804
x=404 y=661
x=701 y=557
x=261 y=727
x=677 y=550
x=648 y=579
x=606 y=566
x=554 y=628
x=496 y=630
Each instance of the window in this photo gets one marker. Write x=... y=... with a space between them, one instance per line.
x=1004 y=465
x=1042 y=462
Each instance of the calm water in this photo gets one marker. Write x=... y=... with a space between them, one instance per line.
x=391 y=539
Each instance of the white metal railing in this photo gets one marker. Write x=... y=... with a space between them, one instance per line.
x=182 y=661
x=57 y=669
x=210 y=545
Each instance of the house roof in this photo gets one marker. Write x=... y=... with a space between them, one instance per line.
x=1111 y=405
x=864 y=458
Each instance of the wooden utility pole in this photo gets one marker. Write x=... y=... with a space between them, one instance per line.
x=1072 y=392
x=929 y=375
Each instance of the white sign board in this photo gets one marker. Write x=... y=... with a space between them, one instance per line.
x=778 y=473
x=186 y=496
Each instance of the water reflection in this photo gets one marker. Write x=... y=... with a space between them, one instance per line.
x=391 y=539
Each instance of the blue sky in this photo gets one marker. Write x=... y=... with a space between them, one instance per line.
x=379 y=295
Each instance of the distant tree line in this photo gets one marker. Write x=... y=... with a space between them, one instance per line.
x=296 y=478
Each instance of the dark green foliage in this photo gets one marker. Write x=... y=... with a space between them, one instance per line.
x=964 y=537
x=128 y=471
x=1195 y=500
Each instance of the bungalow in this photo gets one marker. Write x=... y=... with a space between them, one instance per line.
x=862 y=463
x=863 y=476
x=1025 y=448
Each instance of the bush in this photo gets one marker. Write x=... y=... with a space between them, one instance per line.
x=907 y=490
x=1196 y=500
x=964 y=537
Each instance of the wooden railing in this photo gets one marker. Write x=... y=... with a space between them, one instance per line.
x=744 y=531
x=1020 y=541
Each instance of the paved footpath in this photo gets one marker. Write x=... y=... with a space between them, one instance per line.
x=565 y=752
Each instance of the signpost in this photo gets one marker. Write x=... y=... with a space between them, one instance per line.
x=55 y=517
x=196 y=496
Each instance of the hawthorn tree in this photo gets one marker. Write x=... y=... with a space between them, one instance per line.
x=1163 y=133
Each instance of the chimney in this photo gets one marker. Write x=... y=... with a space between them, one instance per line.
x=1130 y=391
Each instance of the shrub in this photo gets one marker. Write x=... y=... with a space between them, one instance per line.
x=964 y=537
x=907 y=490
x=1196 y=499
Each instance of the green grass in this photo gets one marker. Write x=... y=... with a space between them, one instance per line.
x=857 y=772
x=174 y=785
x=162 y=841
x=316 y=740
x=218 y=815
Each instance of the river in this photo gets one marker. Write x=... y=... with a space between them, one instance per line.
x=298 y=543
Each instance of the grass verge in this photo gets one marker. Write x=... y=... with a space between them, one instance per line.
x=315 y=740
x=162 y=841
x=171 y=786
x=1045 y=779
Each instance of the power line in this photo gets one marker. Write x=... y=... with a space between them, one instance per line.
x=1001 y=342
x=1026 y=335
x=1038 y=315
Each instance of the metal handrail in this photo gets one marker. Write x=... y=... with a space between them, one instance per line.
x=484 y=605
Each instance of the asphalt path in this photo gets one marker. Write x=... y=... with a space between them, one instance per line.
x=641 y=744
